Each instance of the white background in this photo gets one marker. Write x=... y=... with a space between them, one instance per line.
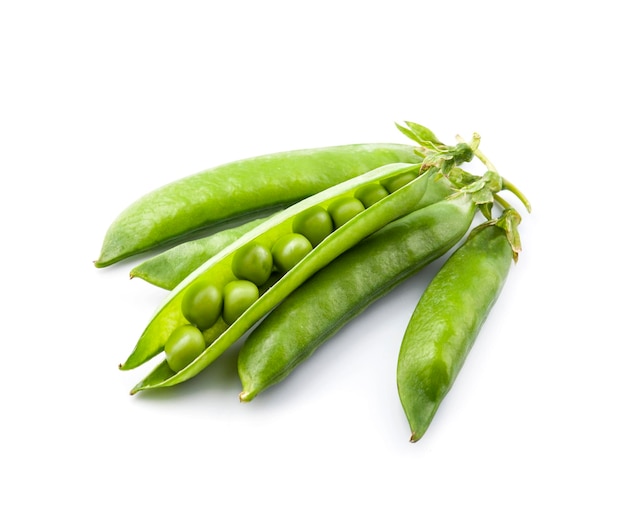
x=103 y=101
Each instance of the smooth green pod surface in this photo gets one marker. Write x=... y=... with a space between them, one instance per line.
x=339 y=292
x=234 y=190
x=446 y=322
x=218 y=269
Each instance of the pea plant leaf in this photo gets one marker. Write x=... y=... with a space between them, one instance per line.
x=461 y=178
x=425 y=136
x=408 y=133
x=509 y=222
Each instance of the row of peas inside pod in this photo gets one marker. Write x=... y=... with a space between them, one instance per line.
x=256 y=266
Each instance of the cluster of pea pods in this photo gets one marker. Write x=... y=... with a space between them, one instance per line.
x=289 y=247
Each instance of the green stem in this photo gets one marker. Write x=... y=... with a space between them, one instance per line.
x=507 y=185
x=503 y=203
x=479 y=154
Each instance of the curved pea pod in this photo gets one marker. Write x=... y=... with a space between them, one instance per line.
x=446 y=322
x=170 y=267
x=219 y=270
x=346 y=287
x=245 y=188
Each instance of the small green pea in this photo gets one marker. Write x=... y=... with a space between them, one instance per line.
x=184 y=345
x=202 y=304
x=289 y=249
x=369 y=194
x=253 y=262
x=344 y=209
x=239 y=295
x=314 y=224
x=397 y=181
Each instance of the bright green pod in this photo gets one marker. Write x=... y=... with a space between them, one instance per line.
x=245 y=188
x=346 y=287
x=446 y=322
x=170 y=267
x=222 y=336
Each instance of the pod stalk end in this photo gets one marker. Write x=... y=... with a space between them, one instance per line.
x=246 y=396
x=415 y=437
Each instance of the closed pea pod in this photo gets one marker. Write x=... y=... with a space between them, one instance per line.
x=344 y=288
x=447 y=320
x=218 y=268
x=239 y=189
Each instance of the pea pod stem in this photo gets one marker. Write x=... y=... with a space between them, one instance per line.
x=372 y=219
x=506 y=184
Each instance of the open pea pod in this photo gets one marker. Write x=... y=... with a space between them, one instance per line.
x=218 y=269
x=170 y=267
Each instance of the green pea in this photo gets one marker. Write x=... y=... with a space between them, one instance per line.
x=253 y=262
x=396 y=182
x=344 y=209
x=184 y=345
x=369 y=194
x=202 y=304
x=289 y=250
x=314 y=224
x=239 y=295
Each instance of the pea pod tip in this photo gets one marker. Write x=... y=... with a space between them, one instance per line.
x=415 y=437
x=245 y=396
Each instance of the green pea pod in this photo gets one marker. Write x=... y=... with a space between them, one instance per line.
x=446 y=322
x=219 y=270
x=343 y=289
x=245 y=188
x=170 y=267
